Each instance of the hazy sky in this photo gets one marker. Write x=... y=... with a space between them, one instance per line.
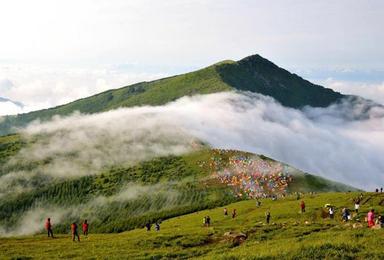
x=52 y=51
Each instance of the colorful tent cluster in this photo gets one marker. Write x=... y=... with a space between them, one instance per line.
x=252 y=177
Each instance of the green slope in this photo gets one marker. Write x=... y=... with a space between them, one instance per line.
x=290 y=235
x=121 y=198
x=253 y=73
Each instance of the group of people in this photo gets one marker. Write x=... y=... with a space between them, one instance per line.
x=372 y=221
x=249 y=176
x=206 y=221
x=148 y=226
x=234 y=212
x=347 y=214
x=74 y=229
x=258 y=203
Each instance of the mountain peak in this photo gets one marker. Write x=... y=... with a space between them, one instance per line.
x=253 y=73
x=254 y=57
x=257 y=74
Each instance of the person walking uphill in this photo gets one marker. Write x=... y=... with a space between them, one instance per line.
x=74 y=232
x=267 y=216
x=331 y=212
x=302 y=206
x=357 y=205
x=48 y=227
x=208 y=219
x=85 y=228
x=371 y=218
x=234 y=213
x=148 y=226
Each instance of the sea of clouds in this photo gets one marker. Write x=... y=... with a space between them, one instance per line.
x=343 y=142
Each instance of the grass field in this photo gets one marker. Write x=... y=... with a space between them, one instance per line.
x=290 y=235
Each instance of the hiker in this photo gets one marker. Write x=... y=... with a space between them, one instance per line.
x=234 y=213
x=74 y=232
x=267 y=216
x=357 y=205
x=85 y=228
x=258 y=203
x=48 y=227
x=380 y=221
x=148 y=226
x=157 y=226
x=371 y=218
x=225 y=212
x=302 y=206
x=208 y=221
x=331 y=212
x=204 y=221
x=345 y=214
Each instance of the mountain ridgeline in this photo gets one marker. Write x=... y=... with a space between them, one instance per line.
x=253 y=73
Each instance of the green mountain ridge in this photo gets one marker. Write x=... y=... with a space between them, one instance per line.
x=125 y=197
x=122 y=197
x=253 y=73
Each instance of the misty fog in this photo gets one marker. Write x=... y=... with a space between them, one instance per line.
x=328 y=142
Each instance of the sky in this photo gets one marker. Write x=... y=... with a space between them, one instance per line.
x=53 y=52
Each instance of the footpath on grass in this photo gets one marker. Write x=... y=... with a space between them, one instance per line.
x=291 y=233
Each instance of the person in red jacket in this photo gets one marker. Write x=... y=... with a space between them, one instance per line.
x=302 y=206
x=85 y=228
x=74 y=232
x=371 y=218
x=48 y=227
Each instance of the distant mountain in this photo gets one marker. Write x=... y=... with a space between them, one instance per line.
x=253 y=73
x=16 y=103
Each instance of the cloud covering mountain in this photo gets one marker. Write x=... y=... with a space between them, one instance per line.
x=343 y=142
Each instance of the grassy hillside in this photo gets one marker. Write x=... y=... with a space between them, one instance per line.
x=9 y=145
x=253 y=73
x=124 y=197
x=290 y=235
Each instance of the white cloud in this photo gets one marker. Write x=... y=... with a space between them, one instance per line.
x=194 y=32
x=5 y=85
x=39 y=87
x=372 y=91
x=32 y=221
x=323 y=141
x=85 y=35
x=9 y=108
